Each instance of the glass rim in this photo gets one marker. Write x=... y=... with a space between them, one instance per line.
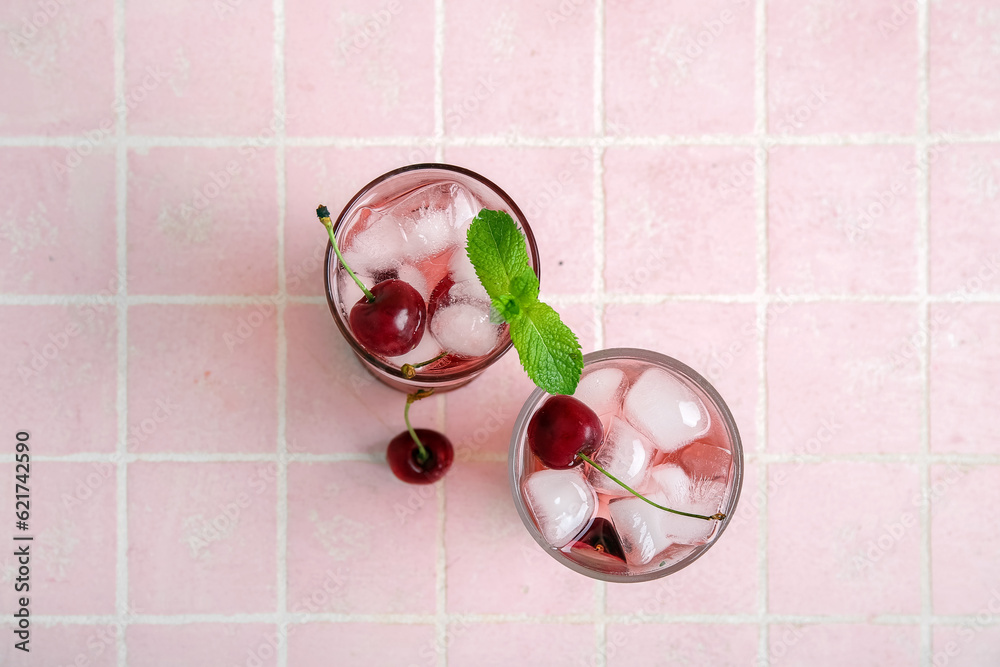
x=330 y=264
x=635 y=354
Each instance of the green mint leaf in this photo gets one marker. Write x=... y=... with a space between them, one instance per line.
x=524 y=287
x=495 y=316
x=498 y=251
x=550 y=352
x=507 y=307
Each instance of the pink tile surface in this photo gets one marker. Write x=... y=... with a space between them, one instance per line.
x=201 y=221
x=831 y=645
x=59 y=57
x=682 y=644
x=845 y=67
x=965 y=69
x=61 y=368
x=967 y=645
x=362 y=644
x=360 y=68
x=203 y=644
x=72 y=523
x=91 y=645
x=191 y=371
x=843 y=220
x=499 y=645
x=679 y=68
x=864 y=555
x=745 y=186
x=964 y=203
x=202 y=537
x=179 y=73
x=365 y=540
x=843 y=378
x=963 y=555
x=962 y=397
x=42 y=189
x=660 y=237
x=526 y=68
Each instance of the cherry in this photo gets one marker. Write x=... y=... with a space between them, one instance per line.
x=392 y=323
x=562 y=428
x=389 y=320
x=602 y=537
x=419 y=455
x=404 y=456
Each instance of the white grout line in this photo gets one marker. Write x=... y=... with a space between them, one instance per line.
x=121 y=256
x=966 y=459
x=870 y=457
x=577 y=619
x=221 y=299
x=923 y=259
x=511 y=140
x=600 y=587
x=760 y=194
x=439 y=134
x=440 y=579
x=441 y=559
x=281 y=490
x=599 y=299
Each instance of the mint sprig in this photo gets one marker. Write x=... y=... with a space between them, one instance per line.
x=549 y=351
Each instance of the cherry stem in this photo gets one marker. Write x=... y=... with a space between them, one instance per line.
x=324 y=216
x=410 y=370
x=422 y=453
x=717 y=517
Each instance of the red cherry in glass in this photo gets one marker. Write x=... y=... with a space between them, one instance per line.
x=393 y=323
x=602 y=537
x=404 y=456
x=440 y=296
x=562 y=428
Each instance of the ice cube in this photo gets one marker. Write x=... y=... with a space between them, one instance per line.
x=683 y=492
x=428 y=233
x=602 y=390
x=464 y=275
x=626 y=454
x=350 y=293
x=465 y=329
x=464 y=208
x=665 y=409
x=701 y=459
x=412 y=275
x=687 y=529
x=469 y=291
x=461 y=267
x=378 y=247
x=426 y=349
x=640 y=527
x=562 y=503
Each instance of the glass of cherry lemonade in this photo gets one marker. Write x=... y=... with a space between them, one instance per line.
x=410 y=225
x=666 y=433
